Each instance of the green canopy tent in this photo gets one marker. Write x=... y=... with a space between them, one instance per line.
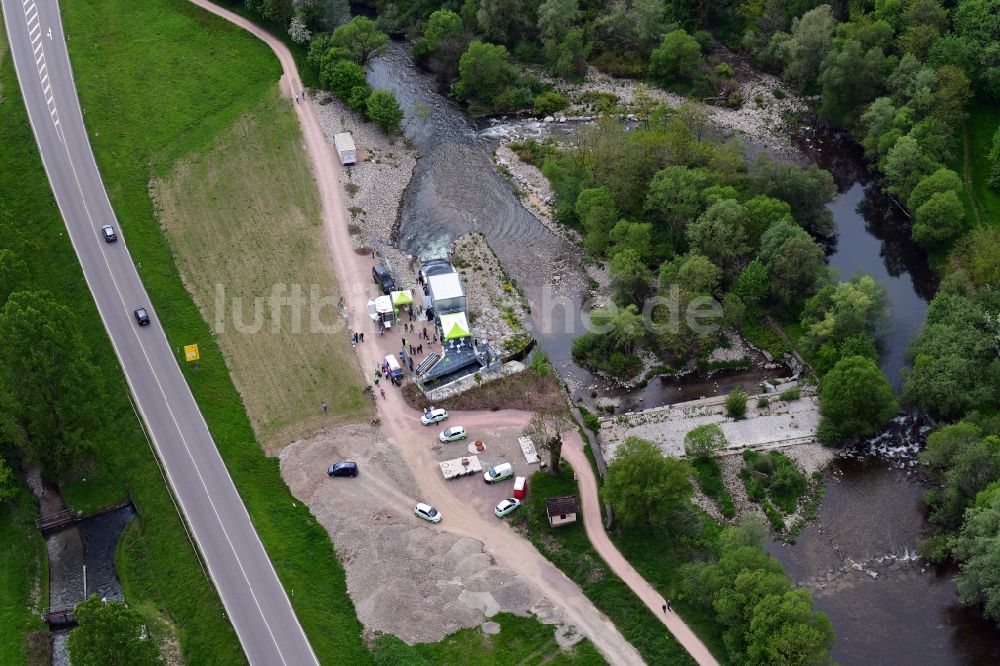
x=402 y=297
x=455 y=326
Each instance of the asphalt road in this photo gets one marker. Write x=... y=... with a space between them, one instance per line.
x=250 y=590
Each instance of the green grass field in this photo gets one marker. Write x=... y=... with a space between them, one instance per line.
x=570 y=550
x=159 y=81
x=982 y=204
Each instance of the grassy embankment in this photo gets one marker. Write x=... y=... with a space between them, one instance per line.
x=160 y=82
x=982 y=204
x=156 y=561
x=656 y=558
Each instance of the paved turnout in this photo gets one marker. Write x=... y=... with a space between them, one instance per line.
x=250 y=590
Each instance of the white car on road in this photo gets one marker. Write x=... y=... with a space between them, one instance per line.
x=427 y=512
x=434 y=416
x=507 y=507
x=452 y=434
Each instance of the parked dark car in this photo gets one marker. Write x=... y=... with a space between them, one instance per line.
x=141 y=316
x=346 y=468
x=383 y=278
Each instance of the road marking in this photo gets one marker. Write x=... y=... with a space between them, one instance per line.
x=31 y=17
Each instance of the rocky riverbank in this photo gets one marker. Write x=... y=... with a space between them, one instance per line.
x=374 y=187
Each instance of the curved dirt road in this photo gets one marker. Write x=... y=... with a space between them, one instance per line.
x=573 y=453
x=400 y=423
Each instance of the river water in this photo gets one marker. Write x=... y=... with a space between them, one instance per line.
x=872 y=508
x=82 y=563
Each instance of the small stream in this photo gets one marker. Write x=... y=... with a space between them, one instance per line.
x=872 y=508
x=82 y=563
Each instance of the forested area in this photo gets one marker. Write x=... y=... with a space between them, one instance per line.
x=680 y=216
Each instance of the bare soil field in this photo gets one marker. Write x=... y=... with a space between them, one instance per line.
x=515 y=391
x=418 y=581
x=244 y=218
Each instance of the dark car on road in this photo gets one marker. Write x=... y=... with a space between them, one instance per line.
x=345 y=468
x=109 y=233
x=142 y=316
x=383 y=278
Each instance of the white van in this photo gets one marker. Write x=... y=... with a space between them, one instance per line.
x=499 y=473
x=394 y=369
x=344 y=143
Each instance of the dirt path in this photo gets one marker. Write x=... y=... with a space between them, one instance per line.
x=400 y=423
x=574 y=455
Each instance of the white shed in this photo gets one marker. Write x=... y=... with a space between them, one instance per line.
x=346 y=151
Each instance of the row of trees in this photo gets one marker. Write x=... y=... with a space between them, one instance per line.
x=341 y=57
x=764 y=620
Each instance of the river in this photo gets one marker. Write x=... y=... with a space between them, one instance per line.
x=872 y=507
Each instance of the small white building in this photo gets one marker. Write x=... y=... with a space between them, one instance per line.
x=561 y=510
x=446 y=293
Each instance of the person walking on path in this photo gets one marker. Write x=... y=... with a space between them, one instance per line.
x=361 y=337
x=382 y=391
x=326 y=408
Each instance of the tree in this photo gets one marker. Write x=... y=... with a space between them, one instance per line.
x=786 y=630
x=954 y=359
x=839 y=312
x=110 y=633
x=736 y=404
x=568 y=58
x=342 y=77
x=298 y=31
x=546 y=430
x=994 y=176
x=978 y=548
x=385 y=111
x=905 y=165
x=761 y=212
x=279 y=11
x=856 y=397
x=694 y=273
x=642 y=484
x=752 y=284
x=850 y=78
x=811 y=38
x=797 y=269
x=595 y=208
x=674 y=196
x=630 y=274
x=704 y=440
x=485 y=71
x=977 y=22
x=807 y=191
x=965 y=463
x=556 y=18
x=361 y=39
x=507 y=21
x=637 y=236
x=13 y=274
x=719 y=235
x=55 y=393
x=942 y=180
x=8 y=487
x=442 y=44
x=678 y=58
x=939 y=221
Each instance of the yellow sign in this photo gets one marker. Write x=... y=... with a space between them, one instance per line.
x=191 y=353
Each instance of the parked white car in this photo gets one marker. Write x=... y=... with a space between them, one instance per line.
x=507 y=507
x=453 y=434
x=434 y=416
x=427 y=512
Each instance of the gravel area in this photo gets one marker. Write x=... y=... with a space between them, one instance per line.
x=779 y=424
x=406 y=577
x=494 y=305
x=373 y=187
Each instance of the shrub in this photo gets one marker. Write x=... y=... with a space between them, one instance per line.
x=724 y=70
x=828 y=434
x=736 y=404
x=385 y=111
x=790 y=395
x=710 y=481
x=773 y=477
x=704 y=440
x=549 y=102
x=763 y=402
x=774 y=516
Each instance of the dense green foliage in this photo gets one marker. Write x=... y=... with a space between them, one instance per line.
x=704 y=441
x=764 y=620
x=856 y=399
x=643 y=486
x=709 y=477
x=110 y=633
x=736 y=404
x=773 y=476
